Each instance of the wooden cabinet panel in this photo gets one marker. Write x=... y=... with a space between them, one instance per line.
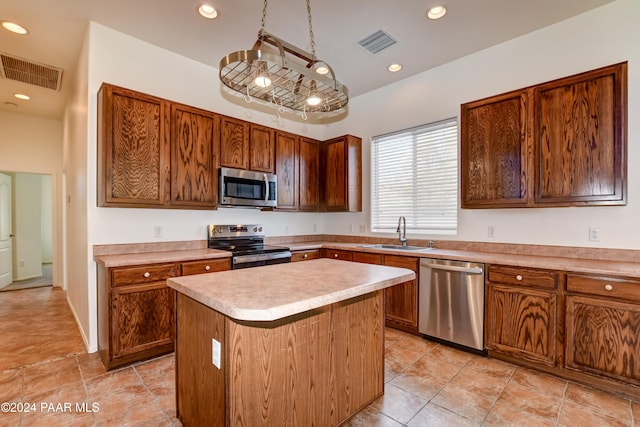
x=205 y=266
x=262 y=150
x=194 y=175
x=133 y=148
x=287 y=146
x=338 y=254
x=603 y=338
x=342 y=174
x=309 y=183
x=494 y=151
x=234 y=143
x=367 y=258
x=522 y=276
x=401 y=301
x=522 y=323
x=305 y=255
x=611 y=287
x=580 y=138
x=143 y=274
x=142 y=318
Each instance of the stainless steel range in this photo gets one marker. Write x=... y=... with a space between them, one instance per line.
x=246 y=243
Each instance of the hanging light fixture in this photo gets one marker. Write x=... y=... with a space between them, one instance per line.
x=284 y=75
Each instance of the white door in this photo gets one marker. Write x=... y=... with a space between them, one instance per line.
x=6 y=258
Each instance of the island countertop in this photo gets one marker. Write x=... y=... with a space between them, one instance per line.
x=273 y=292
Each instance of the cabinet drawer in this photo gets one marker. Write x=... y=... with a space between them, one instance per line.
x=338 y=254
x=204 y=266
x=614 y=287
x=305 y=255
x=144 y=274
x=521 y=276
x=367 y=258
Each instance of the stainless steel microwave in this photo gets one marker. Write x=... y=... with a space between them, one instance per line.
x=247 y=188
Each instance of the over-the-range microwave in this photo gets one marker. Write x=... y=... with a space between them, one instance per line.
x=247 y=188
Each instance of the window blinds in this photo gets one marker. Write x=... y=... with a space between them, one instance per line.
x=414 y=174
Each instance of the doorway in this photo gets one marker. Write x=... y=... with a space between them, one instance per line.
x=28 y=202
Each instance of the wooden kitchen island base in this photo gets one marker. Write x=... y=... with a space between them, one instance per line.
x=316 y=368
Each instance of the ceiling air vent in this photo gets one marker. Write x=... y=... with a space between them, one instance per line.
x=22 y=70
x=377 y=42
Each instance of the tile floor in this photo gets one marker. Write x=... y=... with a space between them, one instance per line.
x=42 y=361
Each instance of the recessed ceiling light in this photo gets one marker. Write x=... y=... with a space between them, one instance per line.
x=22 y=96
x=394 y=68
x=436 y=12
x=322 y=70
x=14 y=28
x=207 y=11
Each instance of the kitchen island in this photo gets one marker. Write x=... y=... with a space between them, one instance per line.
x=288 y=344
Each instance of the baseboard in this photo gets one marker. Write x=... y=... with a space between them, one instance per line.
x=84 y=337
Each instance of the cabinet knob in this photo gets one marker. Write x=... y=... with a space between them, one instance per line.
x=608 y=287
x=146 y=274
x=335 y=255
x=208 y=267
x=306 y=256
x=518 y=277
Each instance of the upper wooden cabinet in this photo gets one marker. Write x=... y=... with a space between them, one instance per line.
x=154 y=153
x=309 y=182
x=194 y=176
x=342 y=174
x=244 y=145
x=262 y=152
x=561 y=143
x=287 y=152
x=133 y=148
x=234 y=143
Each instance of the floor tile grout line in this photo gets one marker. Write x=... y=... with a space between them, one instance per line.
x=155 y=398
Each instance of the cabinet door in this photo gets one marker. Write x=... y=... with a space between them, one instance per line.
x=142 y=319
x=133 y=148
x=194 y=175
x=309 y=167
x=401 y=301
x=521 y=322
x=342 y=174
x=234 y=143
x=262 y=150
x=287 y=146
x=494 y=153
x=580 y=138
x=603 y=338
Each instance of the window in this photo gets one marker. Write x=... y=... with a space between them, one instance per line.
x=414 y=173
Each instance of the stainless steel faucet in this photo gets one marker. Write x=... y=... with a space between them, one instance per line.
x=402 y=233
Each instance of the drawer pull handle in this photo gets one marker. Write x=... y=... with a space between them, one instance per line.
x=608 y=287
x=146 y=274
x=306 y=255
x=208 y=267
x=335 y=255
x=518 y=277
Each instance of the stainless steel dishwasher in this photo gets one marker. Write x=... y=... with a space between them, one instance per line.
x=451 y=304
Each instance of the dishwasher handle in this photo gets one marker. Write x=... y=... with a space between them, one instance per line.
x=468 y=270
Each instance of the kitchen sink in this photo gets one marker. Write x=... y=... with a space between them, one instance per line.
x=396 y=247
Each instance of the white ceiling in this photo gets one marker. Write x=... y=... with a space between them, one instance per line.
x=57 y=28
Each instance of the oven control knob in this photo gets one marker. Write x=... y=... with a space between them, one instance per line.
x=255 y=229
x=260 y=229
x=219 y=230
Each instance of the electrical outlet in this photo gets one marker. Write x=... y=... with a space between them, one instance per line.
x=491 y=231
x=363 y=228
x=594 y=234
x=350 y=228
x=314 y=228
x=215 y=352
x=157 y=231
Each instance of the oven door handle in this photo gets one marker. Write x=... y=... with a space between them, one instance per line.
x=243 y=259
x=266 y=187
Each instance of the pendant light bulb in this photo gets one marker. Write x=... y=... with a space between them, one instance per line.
x=262 y=81
x=314 y=97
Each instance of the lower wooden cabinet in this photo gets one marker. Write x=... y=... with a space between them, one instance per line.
x=337 y=254
x=521 y=306
x=136 y=313
x=603 y=327
x=401 y=301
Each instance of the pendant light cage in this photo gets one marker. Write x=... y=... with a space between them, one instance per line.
x=283 y=75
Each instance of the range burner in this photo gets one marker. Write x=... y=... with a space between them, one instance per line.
x=246 y=243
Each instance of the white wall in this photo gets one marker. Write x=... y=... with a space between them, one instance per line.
x=34 y=145
x=601 y=37
x=46 y=218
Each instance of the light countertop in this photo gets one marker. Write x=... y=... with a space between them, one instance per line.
x=129 y=259
x=273 y=292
